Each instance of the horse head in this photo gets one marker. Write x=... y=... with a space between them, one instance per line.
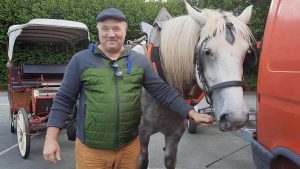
x=223 y=42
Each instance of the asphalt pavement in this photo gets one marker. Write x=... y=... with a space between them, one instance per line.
x=196 y=151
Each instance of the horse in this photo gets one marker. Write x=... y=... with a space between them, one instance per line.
x=208 y=47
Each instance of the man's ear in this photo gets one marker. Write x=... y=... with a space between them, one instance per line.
x=126 y=26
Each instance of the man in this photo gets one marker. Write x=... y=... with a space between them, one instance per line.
x=109 y=79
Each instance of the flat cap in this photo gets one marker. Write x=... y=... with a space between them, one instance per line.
x=110 y=13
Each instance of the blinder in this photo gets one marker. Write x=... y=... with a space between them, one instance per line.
x=250 y=60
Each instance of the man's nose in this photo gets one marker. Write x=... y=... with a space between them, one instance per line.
x=111 y=33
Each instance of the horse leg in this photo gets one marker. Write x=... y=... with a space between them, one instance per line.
x=171 y=142
x=144 y=136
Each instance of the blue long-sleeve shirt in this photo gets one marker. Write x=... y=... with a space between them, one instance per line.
x=72 y=86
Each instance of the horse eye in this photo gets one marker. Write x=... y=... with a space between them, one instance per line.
x=207 y=52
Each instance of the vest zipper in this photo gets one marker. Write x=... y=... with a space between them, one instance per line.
x=118 y=112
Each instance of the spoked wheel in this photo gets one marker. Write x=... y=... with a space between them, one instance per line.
x=23 y=133
x=191 y=127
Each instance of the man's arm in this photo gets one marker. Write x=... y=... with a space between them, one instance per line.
x=66 y=96
x=63 y=104
x=51 y=150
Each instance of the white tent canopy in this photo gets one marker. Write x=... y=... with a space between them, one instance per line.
x=47 y=30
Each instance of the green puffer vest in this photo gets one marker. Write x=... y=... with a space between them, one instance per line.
x=113 y=108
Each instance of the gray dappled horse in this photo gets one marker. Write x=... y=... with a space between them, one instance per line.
x=208 y=47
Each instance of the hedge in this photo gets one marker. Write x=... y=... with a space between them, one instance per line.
x=21 y=11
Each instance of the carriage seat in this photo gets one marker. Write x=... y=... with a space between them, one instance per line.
x=44 y=68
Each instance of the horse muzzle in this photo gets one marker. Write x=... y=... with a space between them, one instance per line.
x=228 y=122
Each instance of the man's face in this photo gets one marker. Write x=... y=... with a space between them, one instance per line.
x=112 y=34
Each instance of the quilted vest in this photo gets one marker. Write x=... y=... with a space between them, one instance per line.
x=113 y=108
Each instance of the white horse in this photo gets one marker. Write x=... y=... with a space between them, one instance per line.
x=208 y=47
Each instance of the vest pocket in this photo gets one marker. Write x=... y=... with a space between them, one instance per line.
x=131 y=83
x=133 y=78
x=97 y=83
x=95 y=76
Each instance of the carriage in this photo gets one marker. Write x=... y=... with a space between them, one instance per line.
x=32 y=87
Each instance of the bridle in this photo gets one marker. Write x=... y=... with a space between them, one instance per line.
x=198 y=61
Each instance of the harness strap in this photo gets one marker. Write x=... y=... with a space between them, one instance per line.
x=129 y=65
x=155 y=59
x=226 y=84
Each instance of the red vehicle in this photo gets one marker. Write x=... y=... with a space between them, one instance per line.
x=32 y=87
x=277 y=138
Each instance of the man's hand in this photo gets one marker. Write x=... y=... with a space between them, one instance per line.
x=198 y=118
x=51 y=147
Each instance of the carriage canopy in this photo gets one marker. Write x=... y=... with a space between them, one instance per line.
x=47 y=31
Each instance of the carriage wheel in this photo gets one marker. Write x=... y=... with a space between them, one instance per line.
x=12 y=128
x=191 y=127
x=23 y=133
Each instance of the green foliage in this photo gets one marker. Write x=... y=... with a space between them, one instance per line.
x=36 y=55
x=3 y=72
x=21 y=11
x=251 y=79
x=259 y=13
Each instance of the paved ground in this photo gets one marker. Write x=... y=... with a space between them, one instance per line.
x=195 y=151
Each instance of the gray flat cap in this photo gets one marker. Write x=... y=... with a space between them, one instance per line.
x=110 y=13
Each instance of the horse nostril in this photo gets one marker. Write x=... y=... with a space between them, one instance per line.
x=225 y=121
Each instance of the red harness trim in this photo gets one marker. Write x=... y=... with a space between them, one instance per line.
x=150 y=46
x=193 y=102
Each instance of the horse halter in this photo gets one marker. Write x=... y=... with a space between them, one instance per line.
x=198 y=61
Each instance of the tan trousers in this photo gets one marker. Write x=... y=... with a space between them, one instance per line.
x=90 y=158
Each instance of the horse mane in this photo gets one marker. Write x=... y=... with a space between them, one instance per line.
x=179 y=37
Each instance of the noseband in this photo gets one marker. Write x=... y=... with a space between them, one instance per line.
x=198 y=61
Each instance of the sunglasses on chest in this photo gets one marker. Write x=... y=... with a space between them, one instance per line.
x=118 y=72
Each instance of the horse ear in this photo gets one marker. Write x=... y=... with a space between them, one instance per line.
x=196 y=16
x=246 y=15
